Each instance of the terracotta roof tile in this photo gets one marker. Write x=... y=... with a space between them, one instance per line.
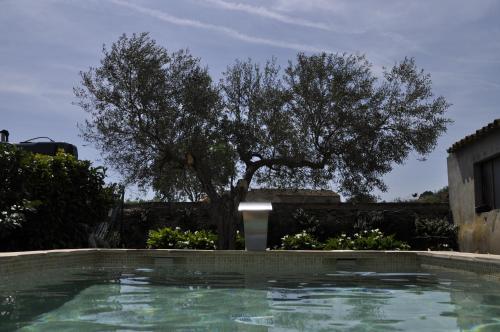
x=495 y=125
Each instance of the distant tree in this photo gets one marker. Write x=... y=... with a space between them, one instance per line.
x=426 y=193
x=428 y=196
x=362 y=198
x=158 y=117
x=438 y=196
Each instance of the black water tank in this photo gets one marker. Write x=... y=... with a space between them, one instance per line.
x=48 y=148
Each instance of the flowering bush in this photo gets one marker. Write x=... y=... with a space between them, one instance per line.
x=13 y=217
x=342 y=242
x=366 y=240
x=437 y=233
x=175 y=238
x=300 y=241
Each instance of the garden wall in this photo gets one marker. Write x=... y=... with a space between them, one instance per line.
x=325 y=220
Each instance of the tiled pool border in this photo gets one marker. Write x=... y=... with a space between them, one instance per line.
x=13 y=264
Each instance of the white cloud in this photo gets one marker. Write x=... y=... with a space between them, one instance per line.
x=235 y=34
x=335 y=7
x=270 y=14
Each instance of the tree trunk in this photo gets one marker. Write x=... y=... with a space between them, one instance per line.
x=225 y=216
x=224 y=213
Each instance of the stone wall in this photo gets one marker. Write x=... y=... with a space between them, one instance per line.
x=296 y=196
x=331 y=220
x=138 y=219
x=325 y=220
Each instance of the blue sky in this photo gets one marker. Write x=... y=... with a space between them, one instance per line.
x=44 y=44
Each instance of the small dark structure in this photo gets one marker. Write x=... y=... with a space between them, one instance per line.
x=48 y=148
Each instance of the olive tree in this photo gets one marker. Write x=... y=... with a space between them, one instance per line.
x=323 y=119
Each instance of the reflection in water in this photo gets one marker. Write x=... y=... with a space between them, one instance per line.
x=158 y=300
x=476 y=302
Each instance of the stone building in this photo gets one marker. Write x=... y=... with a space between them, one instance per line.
x=474 y=185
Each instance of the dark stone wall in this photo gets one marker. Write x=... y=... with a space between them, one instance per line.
x=324 y=220
x=331 y=220
x=138 y=219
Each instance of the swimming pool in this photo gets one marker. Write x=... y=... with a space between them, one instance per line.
x=164 y=291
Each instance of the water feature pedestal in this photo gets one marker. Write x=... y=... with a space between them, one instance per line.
x=255 y=218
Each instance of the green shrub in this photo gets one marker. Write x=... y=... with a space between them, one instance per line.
x=175 y=238
x=49 y=202
x=366 y=240
x=342 y=242
x=436 y=233
x=240 y=241
x=13 y=206
x=164 y=238
x=200 y=240
x=300 y=241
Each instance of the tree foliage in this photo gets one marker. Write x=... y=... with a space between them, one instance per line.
x=49 y=202
x=160 y=119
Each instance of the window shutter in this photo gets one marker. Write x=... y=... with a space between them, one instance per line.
x=487 y=181
x=496 y=182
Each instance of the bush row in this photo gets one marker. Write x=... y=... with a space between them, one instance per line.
x=175 y=238
x=366 y=240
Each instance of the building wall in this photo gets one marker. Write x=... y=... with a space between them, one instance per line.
x=477 y=232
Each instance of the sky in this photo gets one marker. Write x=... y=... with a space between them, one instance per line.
x=44 y=44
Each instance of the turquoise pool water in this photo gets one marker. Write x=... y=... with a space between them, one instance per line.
x=159 y=300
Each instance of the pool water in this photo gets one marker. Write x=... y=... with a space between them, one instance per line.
x=166 y=300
